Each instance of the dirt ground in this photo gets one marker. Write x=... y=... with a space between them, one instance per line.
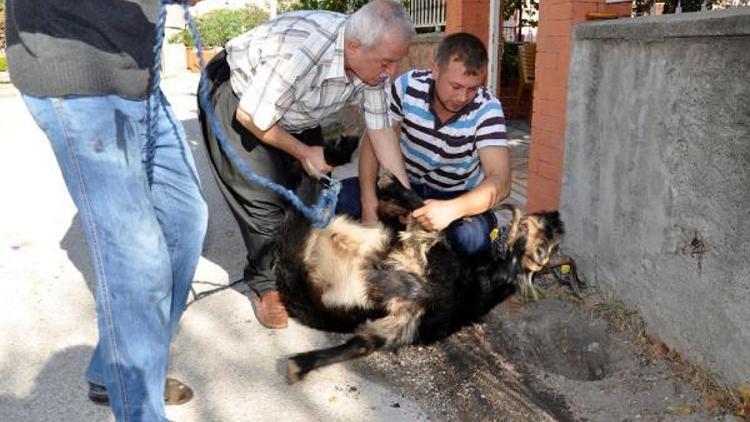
x=556 y=359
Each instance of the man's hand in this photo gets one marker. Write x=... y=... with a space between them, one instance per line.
x=435 y=214
x=314 y=162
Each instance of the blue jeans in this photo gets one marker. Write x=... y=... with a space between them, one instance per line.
x=145 y=218
x=468 y=236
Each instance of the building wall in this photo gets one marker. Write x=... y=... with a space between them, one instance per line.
x=655 y=194
x=421 y=52
x=470 y=16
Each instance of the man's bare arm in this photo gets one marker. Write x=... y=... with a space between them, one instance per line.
x=368 y=175
x=311 y=157
x=387 y=148
x=495 y=161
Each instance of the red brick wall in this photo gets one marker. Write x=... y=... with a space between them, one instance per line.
x=470 y=16
x=556 y=21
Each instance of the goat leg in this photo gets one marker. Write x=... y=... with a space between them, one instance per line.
x=390 y=189
x=396 y=329
x=299 y=365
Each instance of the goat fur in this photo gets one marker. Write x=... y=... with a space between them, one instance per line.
x=394 y=287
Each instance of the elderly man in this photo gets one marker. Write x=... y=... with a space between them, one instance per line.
x=285 y=77
x=454 y=144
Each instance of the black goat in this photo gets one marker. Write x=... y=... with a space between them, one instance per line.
x=394 y=288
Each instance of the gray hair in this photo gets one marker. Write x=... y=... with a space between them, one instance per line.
x=370 y=23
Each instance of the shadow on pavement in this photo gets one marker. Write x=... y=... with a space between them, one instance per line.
x=59 y=392
x=75 y=246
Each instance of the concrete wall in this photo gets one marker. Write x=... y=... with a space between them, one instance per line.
x=656 y=187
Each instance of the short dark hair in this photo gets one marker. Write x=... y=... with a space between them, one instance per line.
x=462 y=47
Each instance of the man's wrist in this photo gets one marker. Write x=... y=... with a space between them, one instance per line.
x=455 y=207
x=368 y=199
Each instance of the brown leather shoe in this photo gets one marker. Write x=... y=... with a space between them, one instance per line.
x=269 y=311
x=175 y=393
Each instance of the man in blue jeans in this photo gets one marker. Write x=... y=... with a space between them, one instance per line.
x=453 y=140
x=84 y=70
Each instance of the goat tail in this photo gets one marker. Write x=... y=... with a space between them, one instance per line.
x=299 y=365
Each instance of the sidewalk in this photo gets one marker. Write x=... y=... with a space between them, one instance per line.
x=519 y=138
x=48 y=325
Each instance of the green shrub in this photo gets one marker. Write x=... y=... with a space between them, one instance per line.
x=3 y=65
x=219 y=26
x=342 y=6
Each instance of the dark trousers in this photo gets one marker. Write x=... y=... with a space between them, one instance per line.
x=258 y=211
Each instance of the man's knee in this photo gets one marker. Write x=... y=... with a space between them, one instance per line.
x=471 y=235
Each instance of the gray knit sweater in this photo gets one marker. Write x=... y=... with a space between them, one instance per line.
x=85 y=47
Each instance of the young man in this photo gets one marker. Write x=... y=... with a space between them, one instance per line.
x=271 y=91
x=453 y=139
x=84 y=69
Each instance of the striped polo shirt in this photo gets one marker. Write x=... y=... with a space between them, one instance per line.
x=444 y=156
x=290 y=70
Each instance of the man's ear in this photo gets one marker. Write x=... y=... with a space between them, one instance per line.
x=352 y=44
x=435 y=69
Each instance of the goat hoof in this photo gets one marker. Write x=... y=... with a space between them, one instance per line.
x=293 y=372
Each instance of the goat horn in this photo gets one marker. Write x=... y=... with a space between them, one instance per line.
x=514 y=223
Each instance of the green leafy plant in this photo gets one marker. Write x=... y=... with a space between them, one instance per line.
x=2 y=24
x=342 y=6
x=219 y=26
x=528 y=11
x=641 y=7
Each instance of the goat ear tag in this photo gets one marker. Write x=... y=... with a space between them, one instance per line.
x=494 y=233
x=565 y=269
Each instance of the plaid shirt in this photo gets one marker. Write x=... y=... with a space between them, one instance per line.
x=291 y=71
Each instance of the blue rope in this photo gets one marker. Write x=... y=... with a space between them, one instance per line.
x=154 y=98
x=320 y=214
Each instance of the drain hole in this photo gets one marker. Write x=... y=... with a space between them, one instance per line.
x=554 y=337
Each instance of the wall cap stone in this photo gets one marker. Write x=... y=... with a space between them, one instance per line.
x=724 y=23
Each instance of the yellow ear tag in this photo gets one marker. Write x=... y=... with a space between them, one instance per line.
x=494 y=233
x=565 y=269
